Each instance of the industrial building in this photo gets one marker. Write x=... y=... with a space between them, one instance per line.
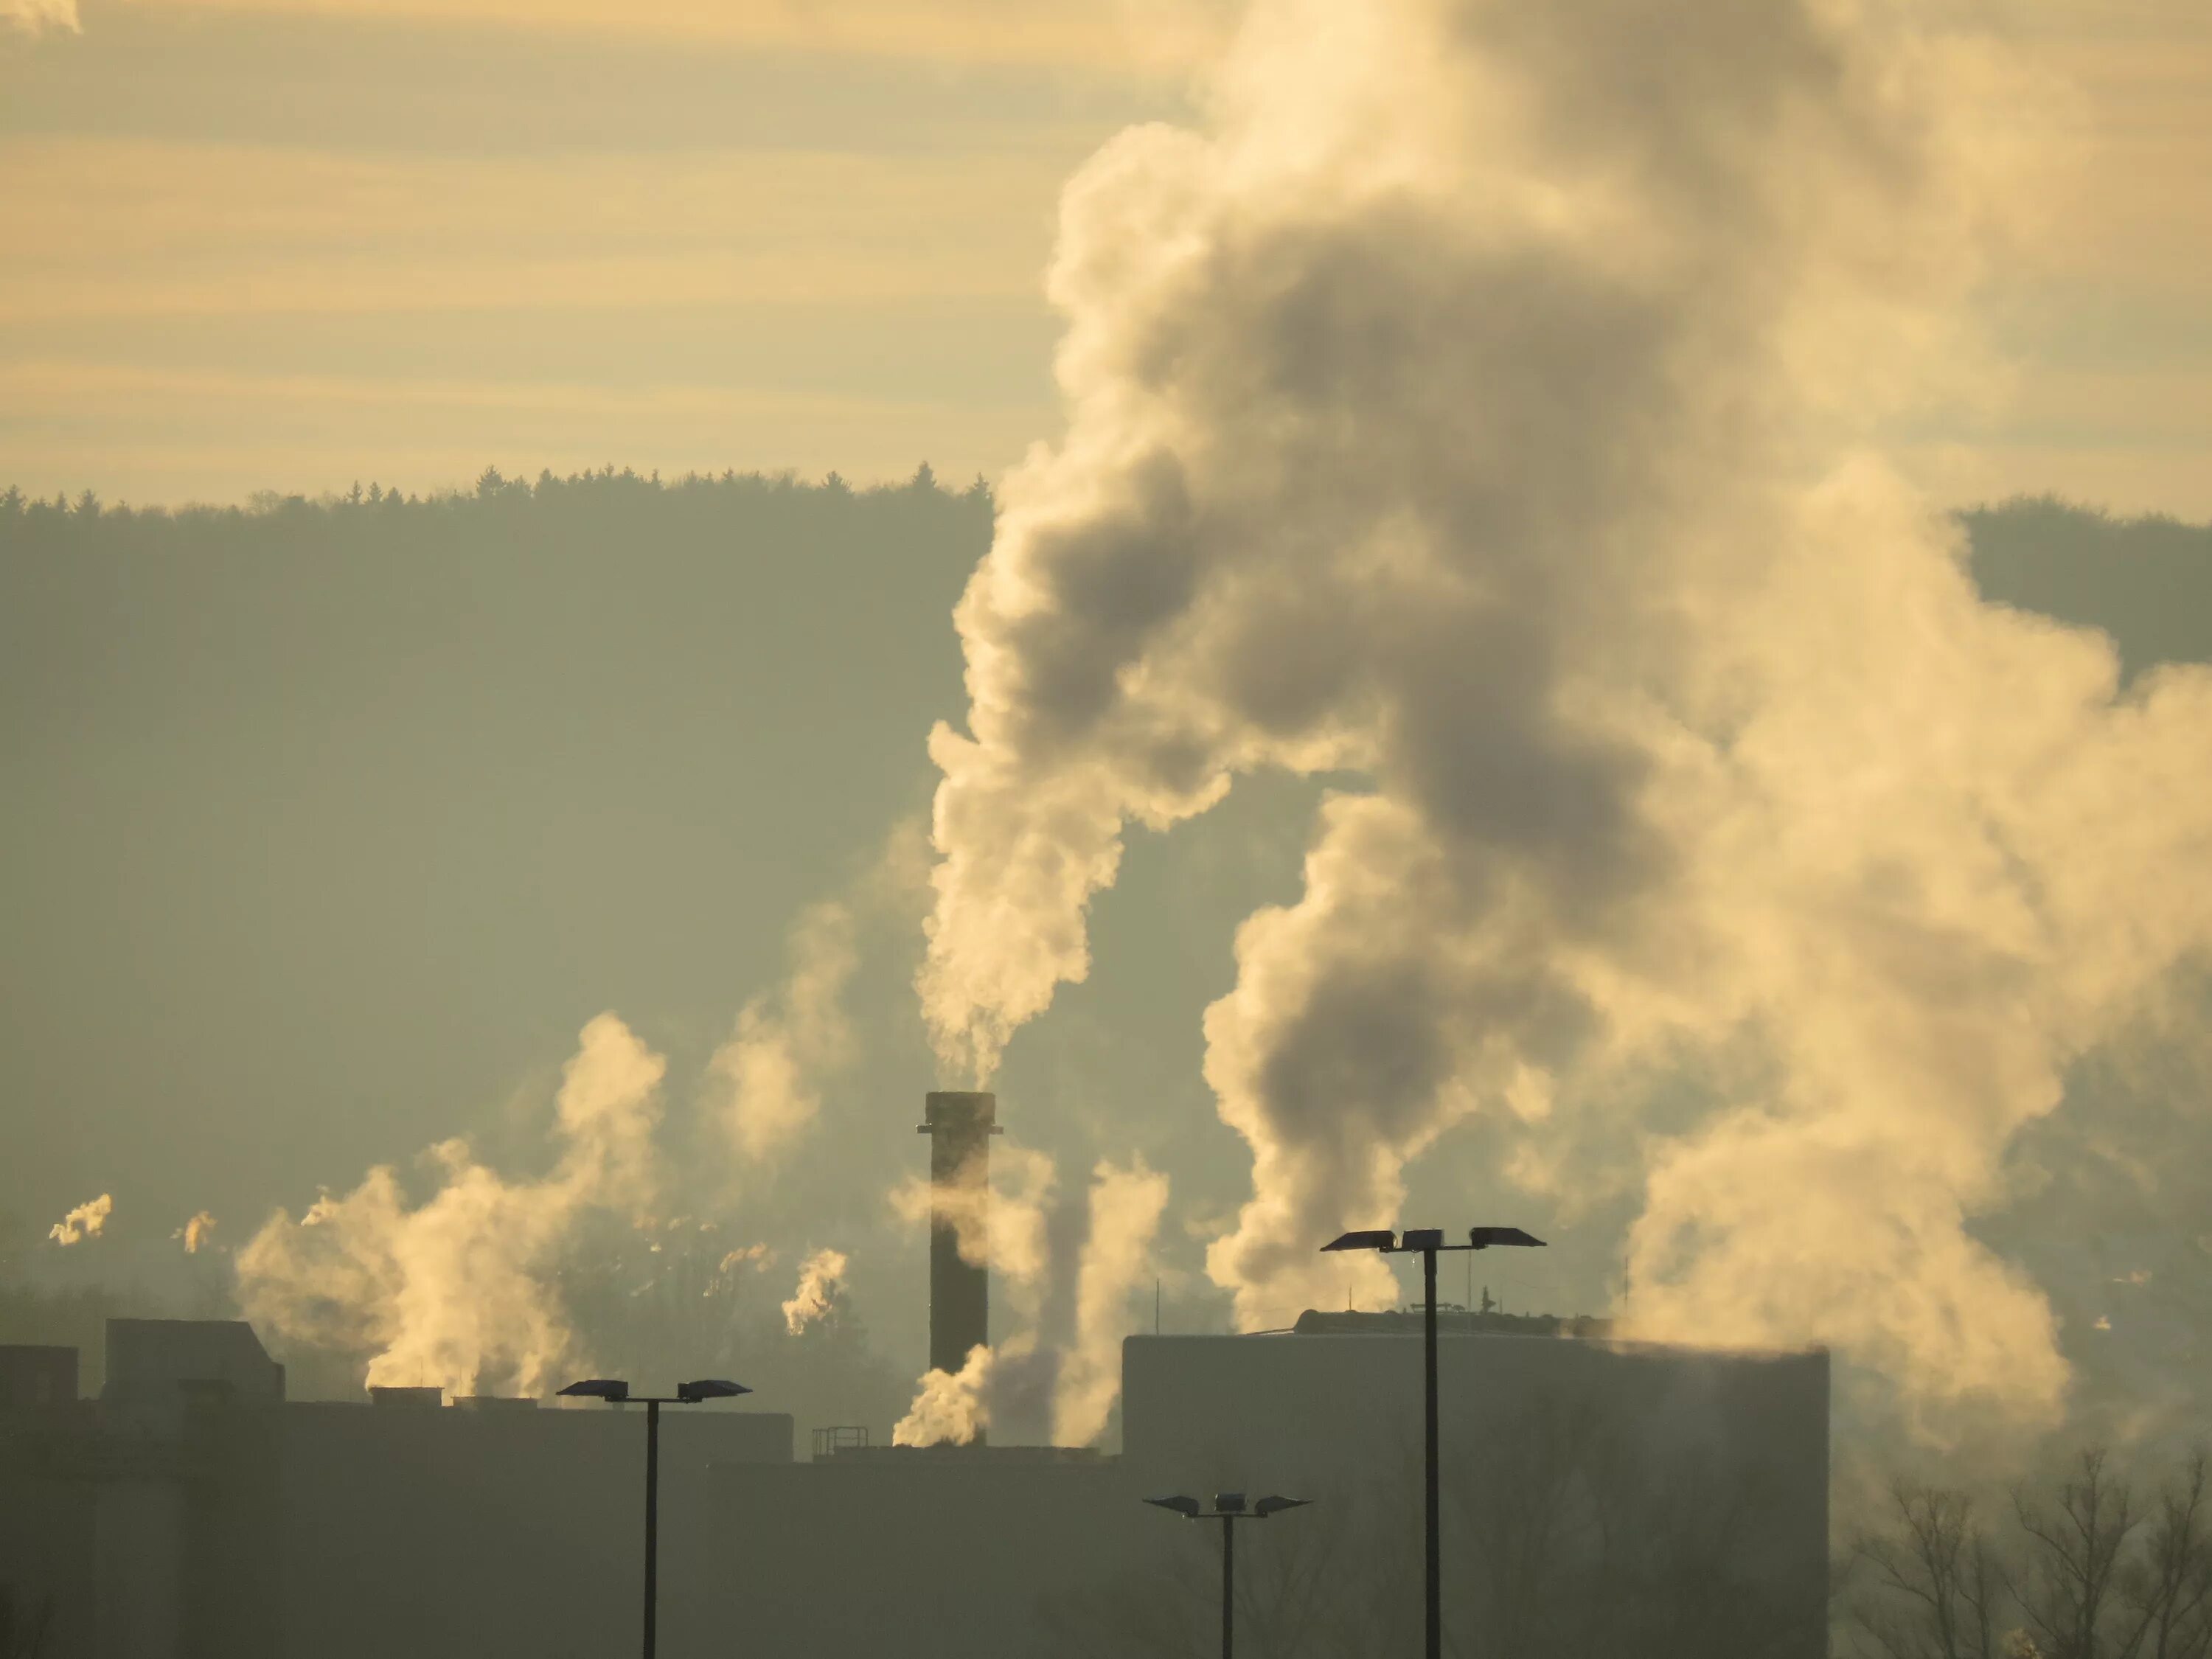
x=1601 y=1498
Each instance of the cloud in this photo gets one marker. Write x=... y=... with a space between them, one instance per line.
x=1483 y=410
x=458 y=1292
x=821 y=1278
x=1142 y=36
x=84 y=1222
x=195 y=1232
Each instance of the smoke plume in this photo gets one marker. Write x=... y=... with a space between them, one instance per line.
x=458 y=1292
x=771 y=1067
x=821 y=1277
x=950 y=1409
x=1484 y=410
x=1125 y=1214
x=195 y=1232
x=34 y=15
x=766 y=1081
x=83 y=1222
x=1005 y=1230
x=1031 y=1373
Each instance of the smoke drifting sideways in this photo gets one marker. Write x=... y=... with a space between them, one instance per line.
x=86 y=1221
x=458 y=1292
x=1067 y=1380
x=1487 y=405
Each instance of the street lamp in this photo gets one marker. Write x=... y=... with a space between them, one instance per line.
x=615 y=1392
x=1228 y=1508
x=1426 y=1241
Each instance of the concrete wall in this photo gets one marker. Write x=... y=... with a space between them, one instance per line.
x=937 y=1554
x=467 y=1533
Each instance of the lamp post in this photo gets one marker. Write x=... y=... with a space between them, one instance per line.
x=1426 y=1242
x=615 y=1392
x=1228 y=1508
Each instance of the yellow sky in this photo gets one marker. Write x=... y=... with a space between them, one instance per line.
x=286 y=244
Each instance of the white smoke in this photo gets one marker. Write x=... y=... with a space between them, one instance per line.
x=950 y=1409
x=1125 y=1214
x=84 y=1222
x=771 y=1068
x=767 y=1080
x=195 y=1232
x=458 y=1292
x=35 y=16
x=1487 y=405
x=1029 y=1373
x=821 y=1277
x=1004 y=1228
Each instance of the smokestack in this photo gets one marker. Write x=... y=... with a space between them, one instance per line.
x=960 y=1126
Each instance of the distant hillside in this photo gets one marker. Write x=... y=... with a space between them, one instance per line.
x=328 y=823
x=2147 y=582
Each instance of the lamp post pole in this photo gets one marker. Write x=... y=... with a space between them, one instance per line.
x=1426 y=1243
x=1433 y=1498
x=615 y=1392
x=1228 y=1508
x=651 y=1521
x=1228 y=1588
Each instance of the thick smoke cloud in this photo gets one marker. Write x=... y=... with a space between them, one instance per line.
x=197 y=1232
x=1484 y=410
x=458 y=1293
x=86 y=1221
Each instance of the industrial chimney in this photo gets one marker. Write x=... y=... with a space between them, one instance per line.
x=960 y=1126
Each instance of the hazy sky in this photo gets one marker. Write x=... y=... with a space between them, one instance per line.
x=290 y=243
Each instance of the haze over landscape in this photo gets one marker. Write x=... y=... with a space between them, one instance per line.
x=1594 y=616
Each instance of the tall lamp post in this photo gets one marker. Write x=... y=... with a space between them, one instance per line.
x=1228 y=1508
x=615 y=1392
x=1426 y=1242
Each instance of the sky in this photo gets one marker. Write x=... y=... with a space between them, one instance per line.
x=284 y=245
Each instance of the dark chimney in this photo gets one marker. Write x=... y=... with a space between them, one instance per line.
x=960 y=1128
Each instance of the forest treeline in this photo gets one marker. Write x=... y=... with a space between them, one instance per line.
x=753 y=495
x=2146 y=581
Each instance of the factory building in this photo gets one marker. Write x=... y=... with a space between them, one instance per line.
x=1600 y=1497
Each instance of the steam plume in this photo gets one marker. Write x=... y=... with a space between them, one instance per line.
x=195 y=1232
x=771 y=1067
x=821 y=1276
x=458 y=1293
x=951 y=1408
x=1009 y=1234
x=83 y=1222
x=36 y=15
x=767 y=1080
x=1125 y=1214
x=1486 y=406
